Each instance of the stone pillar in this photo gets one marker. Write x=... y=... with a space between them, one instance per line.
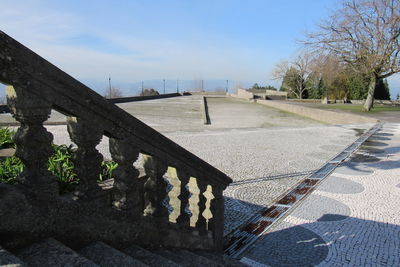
x=201 y=223
x=33 y=142
x=155 y=188
x=216 y=223
x=184 y=217
x=87 y=159
x=128 y=190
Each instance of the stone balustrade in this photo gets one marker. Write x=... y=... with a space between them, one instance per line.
x=177 y=201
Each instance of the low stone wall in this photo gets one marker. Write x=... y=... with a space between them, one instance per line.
x=377 y=101
x=205 y=115
x=264 y=94
x=216 y=93
x=5 y=109
x=305 y=100
x=327 y=116
x=141 y=98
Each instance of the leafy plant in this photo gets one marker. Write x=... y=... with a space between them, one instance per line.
x=61 y=165
x=6 y=136
x=10 y=167
x=107 y=168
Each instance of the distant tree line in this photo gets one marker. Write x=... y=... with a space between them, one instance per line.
x=325 y=76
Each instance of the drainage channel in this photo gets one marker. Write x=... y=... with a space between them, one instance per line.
x=239 y=240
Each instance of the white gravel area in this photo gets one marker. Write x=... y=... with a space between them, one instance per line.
x=261 y=152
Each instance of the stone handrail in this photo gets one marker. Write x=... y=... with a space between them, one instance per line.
x=179 y=191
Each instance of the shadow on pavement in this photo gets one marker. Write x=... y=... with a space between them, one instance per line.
x=357 y=243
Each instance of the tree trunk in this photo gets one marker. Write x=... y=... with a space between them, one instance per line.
x=369 y=103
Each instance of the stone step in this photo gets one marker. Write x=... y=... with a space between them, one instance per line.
x=220 y=258
x=148 y=257
x=187 y=258
x=172 y=256
x=196 y=259
x=7 y=259
x=52 y=253
x=104 y=255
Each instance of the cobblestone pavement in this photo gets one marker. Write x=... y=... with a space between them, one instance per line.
x=351 y=219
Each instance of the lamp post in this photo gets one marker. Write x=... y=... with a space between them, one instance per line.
x=109 y=86
x=164 y=85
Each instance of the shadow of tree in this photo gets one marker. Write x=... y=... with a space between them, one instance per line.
x=358 y=243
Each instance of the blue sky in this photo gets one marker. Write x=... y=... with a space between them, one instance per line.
x=136 y=40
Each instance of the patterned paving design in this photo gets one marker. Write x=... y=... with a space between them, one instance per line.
x=240 y=239
x=350 y=219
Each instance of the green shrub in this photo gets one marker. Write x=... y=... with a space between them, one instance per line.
x=60 y=164
x=10 y=167
x=6 y=136
x=107 y=168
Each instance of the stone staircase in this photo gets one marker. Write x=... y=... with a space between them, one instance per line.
x=51 y=252
x=175 y=201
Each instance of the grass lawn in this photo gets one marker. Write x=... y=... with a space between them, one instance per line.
x=358 y=108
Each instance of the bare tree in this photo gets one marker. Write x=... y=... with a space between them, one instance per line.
x=298 y=72
x=327 y=68
x=364 y=34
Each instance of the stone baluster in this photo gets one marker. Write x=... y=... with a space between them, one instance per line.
x=216 y=223
x=201 y=223
x=128 y=189
x=33 y=142
x=87 y=159
x=184 y=216
x=155 y=188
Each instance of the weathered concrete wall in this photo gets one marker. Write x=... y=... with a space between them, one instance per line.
x=327 y=116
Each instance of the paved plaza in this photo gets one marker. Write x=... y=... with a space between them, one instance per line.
x=350 y=219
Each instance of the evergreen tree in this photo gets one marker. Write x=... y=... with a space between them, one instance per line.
x=357 y=86
x=382 y=91
x=270 y=87
x=316 y=87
